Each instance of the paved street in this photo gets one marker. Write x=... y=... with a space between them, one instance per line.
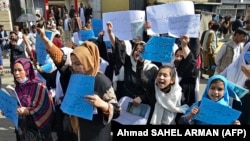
x=6 y=127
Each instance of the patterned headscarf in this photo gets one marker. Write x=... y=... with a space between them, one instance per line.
x=34 y=95
x=29 y=71
x=88 y=55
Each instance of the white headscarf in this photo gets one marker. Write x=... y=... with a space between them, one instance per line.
x=128 y=47
x=169 y=103
x=147 y=64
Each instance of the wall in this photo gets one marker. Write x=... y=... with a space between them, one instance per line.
x=99 y=6
x=96 y=6
x=114 y=5
x=183 y=0
x=232 y=10
x=5 y=18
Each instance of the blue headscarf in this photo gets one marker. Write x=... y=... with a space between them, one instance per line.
x=225 y=99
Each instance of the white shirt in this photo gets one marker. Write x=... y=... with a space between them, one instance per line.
x=32 y=38
x=20 y=35
x=223 y=49
x=82 y=17
x=66 y=24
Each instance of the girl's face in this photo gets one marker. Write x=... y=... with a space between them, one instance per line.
x=179 y=55
x=216 y=90
x=137 y=52
x=76 y=65
x=19 y=72
x=163 y=78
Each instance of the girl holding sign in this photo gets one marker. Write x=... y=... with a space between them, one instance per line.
x=187 y=71
x=217 y=91
x=127 y=67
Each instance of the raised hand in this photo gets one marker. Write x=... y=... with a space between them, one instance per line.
x=109 y=27
x=41 y=32
x=184 y=40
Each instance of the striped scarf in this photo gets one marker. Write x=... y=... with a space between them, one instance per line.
x=34 y=94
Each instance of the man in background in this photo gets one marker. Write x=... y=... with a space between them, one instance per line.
x=81 y=14
x=66 y=27
x=209 y=46
x=3 y=40
x=72 y=12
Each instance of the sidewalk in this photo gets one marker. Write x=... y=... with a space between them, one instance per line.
x=7 y=130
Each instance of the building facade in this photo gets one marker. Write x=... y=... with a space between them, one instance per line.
x=234 y=7
x=222 y=7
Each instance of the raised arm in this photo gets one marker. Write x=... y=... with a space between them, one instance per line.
x=184 y=45
x=55 y=53
x=28 y=47
x=110 y=33
x=46 y=41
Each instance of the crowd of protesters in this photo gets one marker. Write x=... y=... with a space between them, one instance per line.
x=169 y=89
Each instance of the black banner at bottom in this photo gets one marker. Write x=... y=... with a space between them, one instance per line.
x=219 y=132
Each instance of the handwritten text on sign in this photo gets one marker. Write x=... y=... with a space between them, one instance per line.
x=184 y=25
x=159 y=49
x=74 y=102
x=86 y=35
x=158 y=15
x=217 y=114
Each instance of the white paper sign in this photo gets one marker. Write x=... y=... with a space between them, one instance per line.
x=126 y=24
x=184 y=25
x=158 y=15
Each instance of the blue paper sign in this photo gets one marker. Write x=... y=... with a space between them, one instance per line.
x=236 y=90
x=159 y=49
x=74 y=102
x=41 y=49
x=84 y=35
x=8 y=105
x=216 y=114
x=97 y=26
